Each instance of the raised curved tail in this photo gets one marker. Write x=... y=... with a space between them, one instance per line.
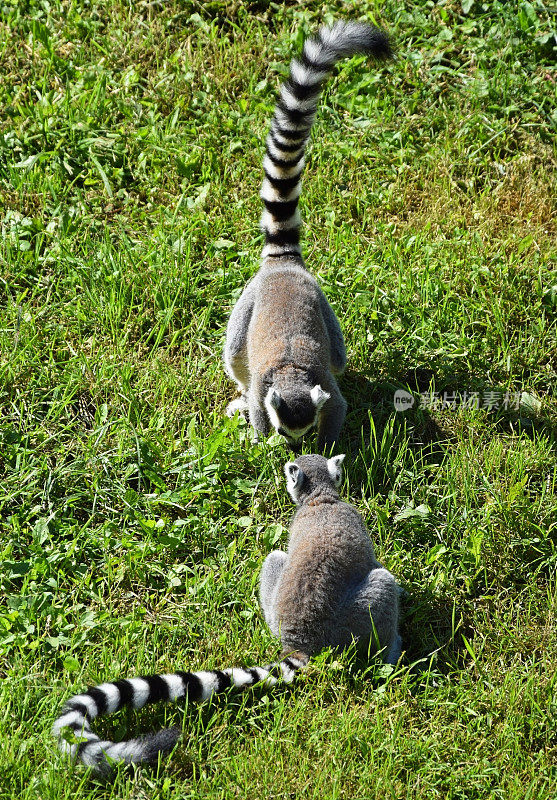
x=73 y=727
x=292 y=121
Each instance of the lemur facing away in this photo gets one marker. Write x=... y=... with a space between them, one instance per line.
x=327 y=590
x=284 y=344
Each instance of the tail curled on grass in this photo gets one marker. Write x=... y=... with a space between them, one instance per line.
x=292 y=122
x=73 y=730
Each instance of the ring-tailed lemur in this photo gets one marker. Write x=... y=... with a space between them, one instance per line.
x=328 y=588
x=284 y=344
x=325 y=591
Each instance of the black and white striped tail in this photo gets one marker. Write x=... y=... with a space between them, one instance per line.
x=73 y=727
x=291 y=126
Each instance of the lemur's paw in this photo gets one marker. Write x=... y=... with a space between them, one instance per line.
x=237 y=406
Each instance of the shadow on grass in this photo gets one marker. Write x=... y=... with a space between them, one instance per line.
x=382 y=437
x=431 y=628
x=513 y=412
x=449 y=386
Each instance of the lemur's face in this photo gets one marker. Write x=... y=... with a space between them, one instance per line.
x=292 y=417
x=315 y=471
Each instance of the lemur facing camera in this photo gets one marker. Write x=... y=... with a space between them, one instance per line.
x=284 y=344
x=325 y=591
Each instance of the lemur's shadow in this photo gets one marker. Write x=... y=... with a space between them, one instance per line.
x=371 y=409
x=516 y=412
x=373 y=427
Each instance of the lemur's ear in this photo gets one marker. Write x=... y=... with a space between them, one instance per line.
x=273 y=398
x=294 y=479
x=319 y=397
x=334 y=465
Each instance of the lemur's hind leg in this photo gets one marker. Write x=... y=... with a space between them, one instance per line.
x=235 y=348
x=371 y=613
x=268 y=581
x=394 y=652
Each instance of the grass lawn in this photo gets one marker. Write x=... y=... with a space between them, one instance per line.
x=134 y=517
